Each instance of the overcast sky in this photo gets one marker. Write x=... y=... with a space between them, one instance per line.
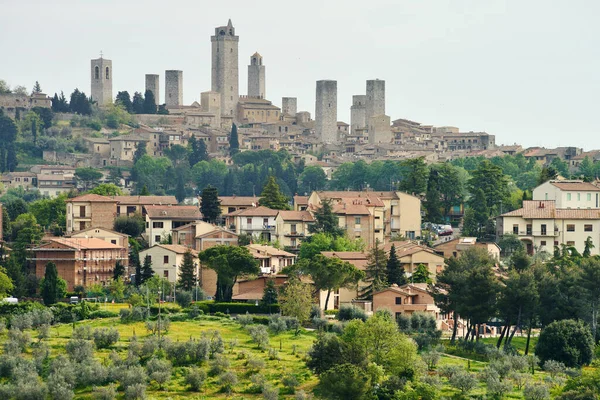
x=526 y=71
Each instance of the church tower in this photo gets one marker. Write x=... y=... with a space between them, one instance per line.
x=101 y=77
x=225 y=74
x=256 y=77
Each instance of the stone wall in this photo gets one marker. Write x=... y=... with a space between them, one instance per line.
x=289 y=105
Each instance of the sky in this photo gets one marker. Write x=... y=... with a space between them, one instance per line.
x=527 y=71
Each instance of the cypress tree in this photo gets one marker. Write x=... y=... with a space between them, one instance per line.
x=51 y=287
x=149 y=102
x=187 y=273
x=376 y=271
x=147 y=270
x=210 y=206
x=395 y=271
x=270 y=293
x=119 y=270
x=234 y=143
x=180 y=189
x=134 y=261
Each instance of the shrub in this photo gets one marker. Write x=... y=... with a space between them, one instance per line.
x=536 y=391
x=216 y=345
x=255 y=363
x=259 y=335
x=325 y=353
x=159 y=371
x=79 y=350
x=292 y=323
x=43 y=332
x=82 y=332
x=290 y=381
x=567 y=341
x=41 y=316
x=195 y=378
x=315 y=311
x=431 y=358
x=270 y=392
x=194 y=312
x=133 y=375
x=344 y=381
x=105 y=393
x=497 y=387
x=30 y=390
x=105 y=337
x=228 y=380
x=133 y=315
x=136 y=392
x=240 y=308
x=183 y=299
x=301 y=395
x=258 y=382
x=463 y=381
x=103 y=314
x=277 y=324
x=91 y=373
x=218 y=365
x=21 y=321
x=59 y=389
x=554 y=367
x=348 y=313
x=18 y=340
x=274 y=354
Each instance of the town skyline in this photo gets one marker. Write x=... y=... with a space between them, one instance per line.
x=513 y=102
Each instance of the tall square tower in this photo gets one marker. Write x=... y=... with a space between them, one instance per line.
x=101 y=78
x=173 y=88
x=152 y=84
x=375 y=104
x=256 y=77
x=326 y=111
x=224 y=73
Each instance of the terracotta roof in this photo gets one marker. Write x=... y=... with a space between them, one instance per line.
x=249 y=295
x=407 y=248
x=259 y=211
x=302 y=200
x=575 y=186
x=104 y=229
x=350 y=209
x=177 y=248
x=268 y=250
x=133 y=138
x=173 y=212
x=96 y=198
x=546 y=209
x=146 y=200
x=82 y=243
x=238 y=200
x=370 y=199
x=356 y=258
x=296 y=216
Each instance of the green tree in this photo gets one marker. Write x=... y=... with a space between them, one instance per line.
x=28 y=233
x=147 y=272
x=6 y=284
x=477 y=216
x=492 y=182
x=589 y=282
x=210 y=205
x=124 y=100
x=107 y=189
x=37 y=88
x=180 y=192
x=8 y=135
x=234 y=143
x=296 y=300
x=561 y=166
x=134 y=262
x=566 y=341
x=376 y=271
x=433 y=204
x=132 y=225
x=272 y=197
x=4 y=87
x=140 y=151
x=589 y=245
x=187 y=272
x=137 y=103
x=119 y=271
x=50 y=213
x=415 y=178
x=17 y=276
x=394 y=269
x=117 y=289
x=149 y=102
x=196 y=151
x=421 y=274
x=547 y=174
x=87 y=177
x=229 y=262
x=151 y=172
x=270 y=293
x=52 y=286
x=586 y=169
x=80 y=104
x=326 y=221
x=345 y=382
x=312 y=178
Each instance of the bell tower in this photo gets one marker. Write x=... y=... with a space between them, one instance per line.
x=101 y=77
x=256 y=77
x=224 y=72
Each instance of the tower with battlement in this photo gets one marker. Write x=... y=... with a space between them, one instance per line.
x=224 y=72
x=256 y=77
x=326 y=111
x=375 y=102
x=152 y=84
x=358 y=113
x=101 y=77
x=173 y=88
x=289 y=106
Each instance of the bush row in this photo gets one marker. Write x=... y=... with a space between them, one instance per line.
x=236 y=308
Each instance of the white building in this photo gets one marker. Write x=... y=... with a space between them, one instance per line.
x=569 y=194
x=167 y=259
x=256 y=221
x=161 y=220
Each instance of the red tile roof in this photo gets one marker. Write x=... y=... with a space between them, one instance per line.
x=95 y=198
x=173 y=212
x=82 y=244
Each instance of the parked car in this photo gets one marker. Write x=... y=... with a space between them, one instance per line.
x=74 y=300
x=10 y=300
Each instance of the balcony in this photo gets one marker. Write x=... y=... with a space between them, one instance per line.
x=534 y=233
x=79 y=216
x=294 y=234
x=263 y=228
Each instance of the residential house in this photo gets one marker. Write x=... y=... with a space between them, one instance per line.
x=122 y=148
x=402 y=215
x=167 y=259
x=454 y=247
x=271 y=259
x=300 y=203
x=252 y=290
x=230 y=204
x=161 y=220
x=90 y=211
x=201 y=235
x=53 y=185
x=14 y=180
x=569 y=194
x=541 y=226
x=406 y=300
x=79 y=261
x=108 y=235
x=292 y=227
x=130 y=205
x=256 y=221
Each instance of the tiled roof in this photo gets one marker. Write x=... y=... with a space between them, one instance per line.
x=173 y=212
x=369 y=199
x=296 y=216
x=104 y=229
x=350 y=209
x=96 y=198
x=268 y=250
x=238 y=200
x=146 y=200
x=82 y=243
x=259 y=211
x=301 y=200
x=546 y=209
x=575 y=186
x=177 y=248
x=133 y=138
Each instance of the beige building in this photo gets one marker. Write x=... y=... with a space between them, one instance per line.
x=574 y=194
x=292 y=227
x=129 y=205
x=271 y=259
x=167 y=259
x=252 y=110
x=454 y=247
x=25 y=180
x=122 y=148
x=230 y=204
x=540 y=225
x=257 y=222
x=109 y=236
x=90 y=211
x=406 y=300
x=53 y=185
x=161 y=220
x=201 y=235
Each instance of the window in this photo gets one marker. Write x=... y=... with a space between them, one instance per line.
x=107 y=74
x=265 y=221
x=158 y=224
x=113 y=241
x=543 y=226
x=543 y=243
x=516 y=229
x=157 y=238
x=398 y=300
x=249 y=221
x=568 y=196
x=570 y=243
x=578 y=196
x=357 y=220
x=556 y=242
x=165 y=259
x=588 y=228
x=97 y=72
x=166 y=274
x=570 y=228
x=545 y=196
x=293 y=229
x=589 y=197
x=528 y=228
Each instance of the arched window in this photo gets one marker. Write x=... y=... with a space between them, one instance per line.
x=107 y=73
x=97 y=72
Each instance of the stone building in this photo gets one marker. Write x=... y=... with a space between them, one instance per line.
x=90 y=211
x=173 y=88
x=224 y=73
x=289 y=106
x=358 y=113
x=161 y=220
x=153 y=85
x=326 y=111
x=256 y=77
x=251 y=110
x=11 y=102
x=101 y=78
x=81 y=261
x=375 y=98
x=379 y=129
x=122 y=148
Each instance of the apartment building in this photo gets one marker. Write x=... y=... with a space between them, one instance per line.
x=569 y=194
x=292 y=227
x=167 y=259
x=161 y=220
x=201 y=235
x=108 y=235
x=230 y=204
x=271 y=259
x=90 y=211
x=129 y=205
x=257 y=221
x=406 y=300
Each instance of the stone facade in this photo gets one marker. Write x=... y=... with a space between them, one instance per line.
x=153 y=85
x=375 y=101
x=289 y=106
x=173 y=88
x=90 y=211
x=379 y=129
x=224 y=73
x=256 y=77
x=255 y=110
x=101 y=77
x=326 y=111
x=358 y=113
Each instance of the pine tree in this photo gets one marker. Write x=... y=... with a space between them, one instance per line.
x=421 y=275
x=37 y=88
x=272 y=197
x=270 y=293
x=119 y=270
x=234 y=143
x=55 y=103
x=326 y=221
x=376 y=270
x=134 y=261
x=187 y=273
x=210 y=206
x=433 y=204
x=144 y=191
x=395 y=270
x=147 y=270
x=138 y=103
x=15 y=273
x=52 y=288
x=149 y=102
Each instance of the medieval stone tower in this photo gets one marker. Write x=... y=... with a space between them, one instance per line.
x=225 y=74
x=152 y=84
x=256 y=77
x=101 y=76
x=375 y=104
x=174 y=88
x=358 y=113
x=289 y=106
x=326 y=111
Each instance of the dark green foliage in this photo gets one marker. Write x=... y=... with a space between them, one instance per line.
x=415 y=178
x=123 y=99
x=210 y=206
x=433 y=204
x=53 y=288
x=187 y=274
x=119 y=270
x=348 y=313
x=566 y=341
x=421 y=274
x=234 y=143
x=344 y=382
x=326 y=221
x=162 y=110
x=147 y=270
x=183 y=299
x=79 y=103
x=131 y=225
x=138 y=103
x=269 y=293
x=87 y=177
x=45 y=114
x=196 y=150
x=140 y=151
x=149 y=103
x=272 y=197
x=105 y=337
x=395 y=270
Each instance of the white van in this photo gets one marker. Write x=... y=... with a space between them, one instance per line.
x=10 y=300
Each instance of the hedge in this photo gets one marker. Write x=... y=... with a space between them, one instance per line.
x=165 y=309
x=103 y=314
x=7 y=309
x=242 y=308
